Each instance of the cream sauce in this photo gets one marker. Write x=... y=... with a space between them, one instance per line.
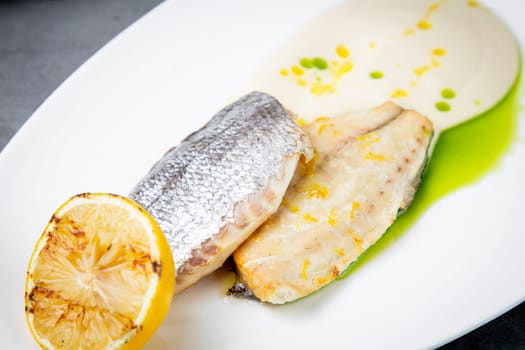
x=450 y=60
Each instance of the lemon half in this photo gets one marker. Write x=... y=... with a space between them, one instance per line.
x=101 y=276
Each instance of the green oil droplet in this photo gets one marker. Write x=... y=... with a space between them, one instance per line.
x=376 y=75
x=469 y=151
x=306 y=63
x=443 y=106
x=448 y=93
x=319 y=63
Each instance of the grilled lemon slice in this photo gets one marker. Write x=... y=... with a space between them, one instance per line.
x=101 y=276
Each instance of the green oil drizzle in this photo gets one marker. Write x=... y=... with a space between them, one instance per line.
x=448 y=93
x=306 y=63
x=443 y=106
x=319 y=63
x=376 y=75
x=462 y=156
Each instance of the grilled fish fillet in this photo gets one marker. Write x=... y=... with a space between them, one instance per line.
x=366 y=168
x=218 y=185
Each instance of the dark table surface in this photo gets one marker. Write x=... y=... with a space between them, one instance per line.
x=43 y=41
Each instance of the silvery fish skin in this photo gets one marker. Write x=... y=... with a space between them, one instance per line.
x=219 y=184
x=366 y=168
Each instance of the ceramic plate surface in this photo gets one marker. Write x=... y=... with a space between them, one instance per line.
x=460 y=265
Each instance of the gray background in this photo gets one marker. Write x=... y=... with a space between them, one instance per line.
x=43 y=42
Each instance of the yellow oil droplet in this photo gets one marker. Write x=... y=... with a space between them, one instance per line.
x=302 y=82
x=433 y=7
x=436 y=63
x=420 y=71
x=409 y=32
x=319 y=89
x=439 y=51
x=345 y=67
x=424 y=25
x=297 y=71
x=399 y=93
x=342 y=51
x=372 y=45
x=473 y=3
x=336 y=133
x=355 y=206
x=284 y=72
x=321 y=119
x=304 y=269
x=413 y=83
x=477 y=102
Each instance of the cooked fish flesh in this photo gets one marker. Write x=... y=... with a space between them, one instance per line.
x=365 y=169
x=219 y=184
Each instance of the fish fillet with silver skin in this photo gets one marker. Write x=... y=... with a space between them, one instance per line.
x=219 y=184
x=366 y=168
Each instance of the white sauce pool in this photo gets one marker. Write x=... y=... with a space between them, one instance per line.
x=450 y=60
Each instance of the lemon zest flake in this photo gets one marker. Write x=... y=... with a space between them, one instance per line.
x=355 y=206
x=368 y=139
x=375 y=156
x=340 y=251
x=322 y=128
x=332 y=217
x=310 y=217
x=300 y=121
x=318 y=191
x=304 y=269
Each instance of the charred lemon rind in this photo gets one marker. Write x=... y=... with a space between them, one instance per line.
x=74 y=255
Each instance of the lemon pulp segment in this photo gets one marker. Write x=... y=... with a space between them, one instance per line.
x=101 y=276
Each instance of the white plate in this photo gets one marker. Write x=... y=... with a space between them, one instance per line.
x=459 y=266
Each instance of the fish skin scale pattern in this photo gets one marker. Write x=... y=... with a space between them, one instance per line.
x=193 y=189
